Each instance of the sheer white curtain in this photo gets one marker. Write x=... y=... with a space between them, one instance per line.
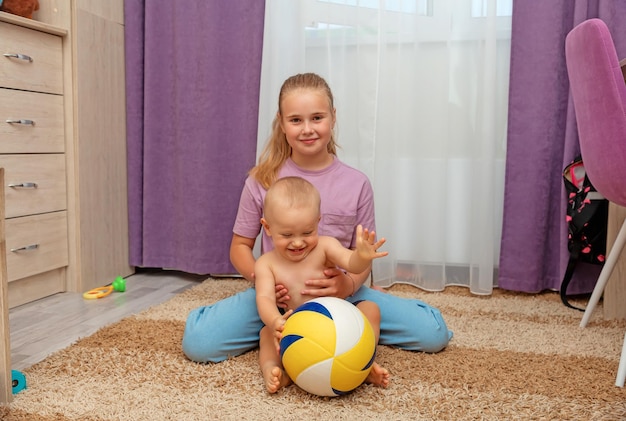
x=421 y=90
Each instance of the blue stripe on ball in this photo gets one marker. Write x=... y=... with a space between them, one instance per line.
x=286 y=341
x=314 y=306
x=369 y=364
x=342 y=392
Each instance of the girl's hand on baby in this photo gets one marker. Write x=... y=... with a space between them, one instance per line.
x=282 y=296
x=334 y=285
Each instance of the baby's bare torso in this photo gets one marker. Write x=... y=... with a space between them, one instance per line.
x=294 y=274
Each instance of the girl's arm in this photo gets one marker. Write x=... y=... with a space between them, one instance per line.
x=246 y=228
x=241 y=256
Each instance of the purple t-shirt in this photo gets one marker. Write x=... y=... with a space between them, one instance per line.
x=347 y=200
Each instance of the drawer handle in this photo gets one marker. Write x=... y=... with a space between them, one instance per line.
x=26 y=248
x=26 y=122
x=24 y=185
x=19 y=56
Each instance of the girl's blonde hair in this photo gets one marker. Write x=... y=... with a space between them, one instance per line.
x=277 y=150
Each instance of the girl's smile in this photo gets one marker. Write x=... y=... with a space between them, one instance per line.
x=307 y=120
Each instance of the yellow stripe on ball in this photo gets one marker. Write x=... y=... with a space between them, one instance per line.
x=351 y=368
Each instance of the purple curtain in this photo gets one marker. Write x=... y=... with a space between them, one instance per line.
x=542 y=140
x=192 y=78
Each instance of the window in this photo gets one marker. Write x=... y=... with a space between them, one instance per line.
x=480 y=8
x=419 y=7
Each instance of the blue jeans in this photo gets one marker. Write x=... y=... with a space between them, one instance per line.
x=231 y=326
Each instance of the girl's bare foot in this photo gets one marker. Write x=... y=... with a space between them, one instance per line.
x=378 y=376
x=275 y=379
x=378 y=288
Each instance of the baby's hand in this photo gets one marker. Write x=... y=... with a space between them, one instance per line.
x=279 y=326
x=366 y=246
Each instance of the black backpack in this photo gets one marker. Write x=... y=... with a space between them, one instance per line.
x=587 y=214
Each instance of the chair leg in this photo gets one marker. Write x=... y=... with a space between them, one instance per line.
x=611 y=260
x=621 y=370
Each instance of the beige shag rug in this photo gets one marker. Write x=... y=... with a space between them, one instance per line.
x=513 y=357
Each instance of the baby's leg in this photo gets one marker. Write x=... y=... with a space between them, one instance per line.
x=372 y=313
x=269 y=361
x=378 y=375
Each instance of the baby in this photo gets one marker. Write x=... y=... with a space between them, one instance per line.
x=291 y=217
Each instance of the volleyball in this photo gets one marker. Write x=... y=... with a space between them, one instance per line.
x=328 y=346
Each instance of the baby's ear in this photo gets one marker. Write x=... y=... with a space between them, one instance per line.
x=266 y=226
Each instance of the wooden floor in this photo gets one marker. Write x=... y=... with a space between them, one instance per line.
x=53 y=323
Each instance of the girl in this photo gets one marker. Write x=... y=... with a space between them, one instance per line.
x=302 y=144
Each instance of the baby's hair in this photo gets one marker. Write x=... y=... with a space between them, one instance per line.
x=292 y=192
x=277 y=150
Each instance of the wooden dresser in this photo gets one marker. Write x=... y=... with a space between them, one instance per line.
x=63 y=177
x=32 y=153
x=63 y=148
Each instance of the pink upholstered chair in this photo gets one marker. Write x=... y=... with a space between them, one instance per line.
x=599 y=95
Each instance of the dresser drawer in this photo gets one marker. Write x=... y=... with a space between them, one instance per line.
x=36 y=244
x=34 y=184
x=46 y=133
x=43 y=73
x=26 y=290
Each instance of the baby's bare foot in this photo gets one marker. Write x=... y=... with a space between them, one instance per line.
x=378 y=376
x=275 y=378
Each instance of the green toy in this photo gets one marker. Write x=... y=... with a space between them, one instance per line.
x=119 y=284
